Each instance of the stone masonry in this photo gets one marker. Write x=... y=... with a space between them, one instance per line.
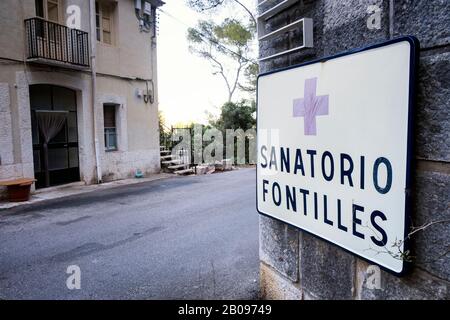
x=296 y=265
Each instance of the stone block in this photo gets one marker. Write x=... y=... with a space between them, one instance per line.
x=326 y=271
x=224 y=165
x=23 y=101
x=433 y=108
x=274 y=286
x=345 y=25
x=205 y=169
x=415 y=285
x=431 y=246
x=278 y=246
x=26 y=144
x=4 y=98
x=11 y=171
x=6 y=138
x=427 y=20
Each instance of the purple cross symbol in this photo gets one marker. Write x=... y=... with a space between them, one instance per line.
x=310 y=106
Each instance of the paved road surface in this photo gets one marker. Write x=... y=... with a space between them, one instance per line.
x=178 y=238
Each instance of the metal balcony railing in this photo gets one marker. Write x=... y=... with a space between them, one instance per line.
x=49 y=42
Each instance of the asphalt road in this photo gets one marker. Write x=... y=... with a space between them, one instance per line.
x=177 y=238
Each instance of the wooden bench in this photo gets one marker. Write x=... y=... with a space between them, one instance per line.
x=18 y=189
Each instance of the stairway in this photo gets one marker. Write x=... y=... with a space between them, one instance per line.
x=174 y=163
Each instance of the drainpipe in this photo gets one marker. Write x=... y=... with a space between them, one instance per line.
x=94 y=87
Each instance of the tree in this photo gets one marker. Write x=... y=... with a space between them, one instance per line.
x=205 y=5
x=251 y=71
x=237 y=116
x=237 y=122
x=251 y=74
x=220 y=43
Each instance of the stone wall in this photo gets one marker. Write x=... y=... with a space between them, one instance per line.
x=296 y=265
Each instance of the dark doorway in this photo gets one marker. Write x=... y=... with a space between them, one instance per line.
x=62 y=148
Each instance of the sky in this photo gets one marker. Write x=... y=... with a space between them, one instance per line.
x=186 y=85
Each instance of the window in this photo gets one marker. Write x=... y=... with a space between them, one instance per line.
x=40 y=8
x=109 y=118
x=48 y=9
x=104 y=23
x=52 y=10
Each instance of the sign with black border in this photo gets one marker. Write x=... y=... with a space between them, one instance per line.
x=335 y=147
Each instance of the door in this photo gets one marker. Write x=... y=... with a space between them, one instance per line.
x=62 y=165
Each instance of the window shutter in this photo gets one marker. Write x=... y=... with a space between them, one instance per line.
x=109 y=114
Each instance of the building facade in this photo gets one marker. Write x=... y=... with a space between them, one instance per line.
x=297 y=265
x=78 y=90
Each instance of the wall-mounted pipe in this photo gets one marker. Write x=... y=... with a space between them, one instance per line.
x=94 y=88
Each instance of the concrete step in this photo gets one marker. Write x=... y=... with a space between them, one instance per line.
x=178 y=166
x=169 y=157
x=165 y=152
x=186 y=171
x=174 y=161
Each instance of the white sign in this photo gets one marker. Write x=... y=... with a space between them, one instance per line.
x=334 y=141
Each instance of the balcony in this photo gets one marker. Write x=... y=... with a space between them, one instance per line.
x=54 y=44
